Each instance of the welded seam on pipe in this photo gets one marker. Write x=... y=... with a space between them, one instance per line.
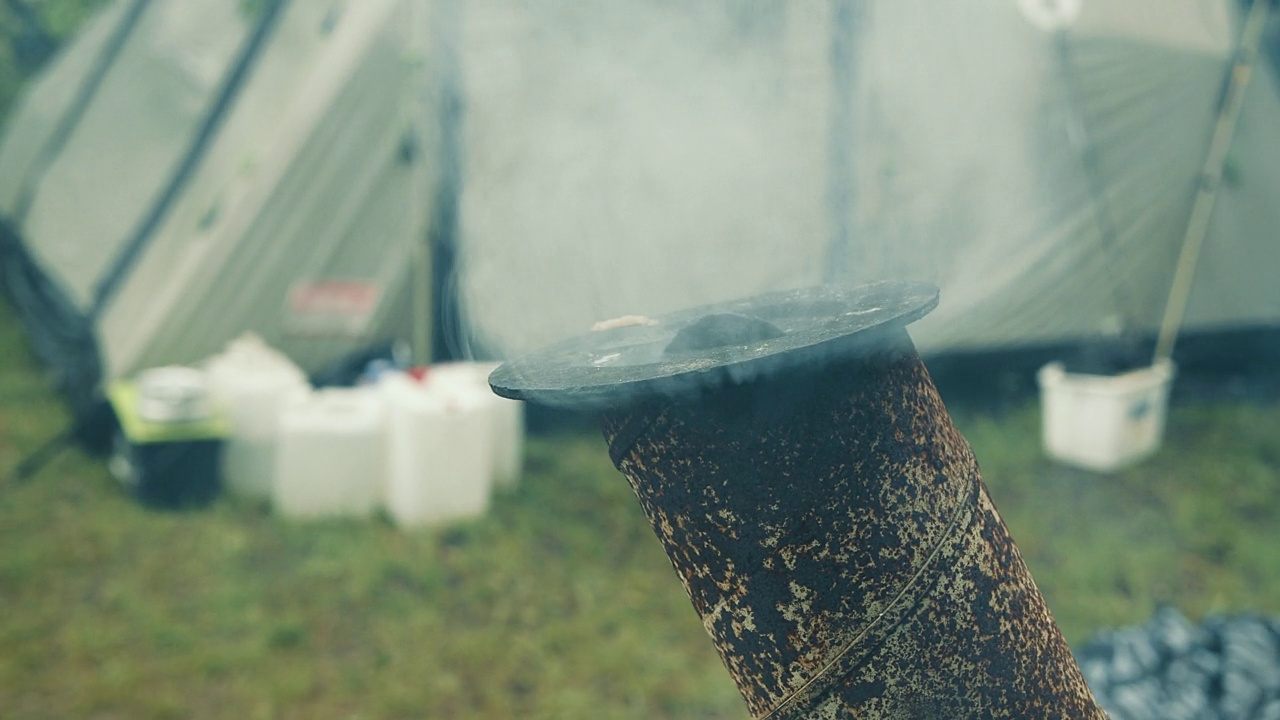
x=969 y=507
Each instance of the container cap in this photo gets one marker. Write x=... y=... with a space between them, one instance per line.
x=635 y=358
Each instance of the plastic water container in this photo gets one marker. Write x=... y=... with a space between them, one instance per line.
x=439 y=449
x=1104 y=422
x=330 y=460
x=506 y=417
x=251 y=382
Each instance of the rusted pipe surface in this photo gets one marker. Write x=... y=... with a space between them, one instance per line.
x=834 y=535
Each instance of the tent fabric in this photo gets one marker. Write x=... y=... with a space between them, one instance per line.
x=667 y=157
x=309 y=182
x=117 y=159
x=1036 y=264
x=1034 y=159
x=50 y=138
x=636 y=158
x=309 y=185
x=192 y=157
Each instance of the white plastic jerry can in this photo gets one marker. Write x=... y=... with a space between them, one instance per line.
x=439 y=452
x=331 y=456
x=506 y=417
x=251 y=383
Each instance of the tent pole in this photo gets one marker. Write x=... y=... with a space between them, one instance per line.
x=448 y=341
x=1211 y=179
x=419 y=189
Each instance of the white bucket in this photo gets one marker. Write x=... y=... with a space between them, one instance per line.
x=439 y=460
x=506 y=417
x=330 y=458
x=251 y=382
x=1104 y=422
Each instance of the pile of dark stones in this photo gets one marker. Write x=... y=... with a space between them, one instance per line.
x=1226 y=668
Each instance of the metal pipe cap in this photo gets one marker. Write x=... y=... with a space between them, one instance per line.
x=709 y=347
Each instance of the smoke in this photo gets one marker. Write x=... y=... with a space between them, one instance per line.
x=636 y=158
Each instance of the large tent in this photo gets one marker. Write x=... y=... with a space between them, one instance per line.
x=1036 y=159
x=186 y=172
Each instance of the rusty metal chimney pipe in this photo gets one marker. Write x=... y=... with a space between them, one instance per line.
x=826 y=518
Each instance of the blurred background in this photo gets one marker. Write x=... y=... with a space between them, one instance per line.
x=325 y=192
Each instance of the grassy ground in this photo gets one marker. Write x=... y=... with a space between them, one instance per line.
x=1196 y=527
x=559 y=604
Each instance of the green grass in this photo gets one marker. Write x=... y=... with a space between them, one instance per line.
x=558 y=604
x=1197 y=526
